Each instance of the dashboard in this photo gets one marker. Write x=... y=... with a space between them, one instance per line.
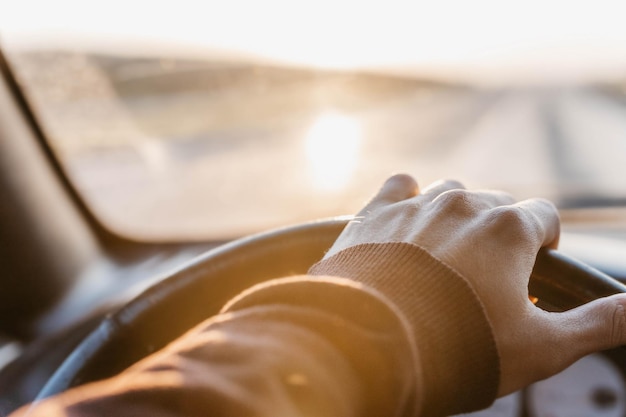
x=592 y=387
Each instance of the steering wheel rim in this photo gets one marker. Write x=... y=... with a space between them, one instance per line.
x=198 y=291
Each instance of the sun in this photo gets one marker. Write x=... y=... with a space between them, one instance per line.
x=332 y=146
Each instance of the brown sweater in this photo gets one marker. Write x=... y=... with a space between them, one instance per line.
x=349 y=339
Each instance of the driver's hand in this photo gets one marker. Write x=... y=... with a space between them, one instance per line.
x=492 y=241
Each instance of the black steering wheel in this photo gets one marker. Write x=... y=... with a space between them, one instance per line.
x=198 y=291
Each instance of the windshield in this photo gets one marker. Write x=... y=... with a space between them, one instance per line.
x=223 y=122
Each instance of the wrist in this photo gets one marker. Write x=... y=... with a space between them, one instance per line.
x=454 y=339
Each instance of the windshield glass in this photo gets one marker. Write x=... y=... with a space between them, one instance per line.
x=183 y=123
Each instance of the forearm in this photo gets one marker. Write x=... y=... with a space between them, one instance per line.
x=268 y=358
x=373 y=344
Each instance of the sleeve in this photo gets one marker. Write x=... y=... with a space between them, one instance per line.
x=347 y=340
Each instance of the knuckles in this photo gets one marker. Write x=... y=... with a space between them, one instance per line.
x=509 y=216
x=457 y=201
x=514 y=225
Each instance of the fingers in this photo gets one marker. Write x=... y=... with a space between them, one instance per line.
x=401 y=187
x=536 y=220
x=451 y=189
x=441 y=186
x=397 y=188
x=546 y=218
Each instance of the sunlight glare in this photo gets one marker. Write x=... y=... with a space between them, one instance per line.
x=476 y=40
x=153 y=152
x=332 y=147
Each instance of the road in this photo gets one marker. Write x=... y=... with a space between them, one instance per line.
x=561 y=144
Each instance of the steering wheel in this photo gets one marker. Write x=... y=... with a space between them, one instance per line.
x=199 y=290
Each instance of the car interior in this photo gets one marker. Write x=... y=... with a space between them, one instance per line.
x=91 y=283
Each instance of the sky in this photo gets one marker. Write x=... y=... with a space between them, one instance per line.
x=534 y=39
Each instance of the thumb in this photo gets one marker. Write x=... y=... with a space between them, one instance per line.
x=598 y=325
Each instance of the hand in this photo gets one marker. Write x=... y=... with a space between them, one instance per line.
x=492 y=241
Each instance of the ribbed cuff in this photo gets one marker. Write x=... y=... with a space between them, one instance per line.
x=458 y=355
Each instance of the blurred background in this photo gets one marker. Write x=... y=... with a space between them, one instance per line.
x=211 y=120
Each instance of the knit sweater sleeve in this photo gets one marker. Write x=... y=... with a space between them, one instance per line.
x=350 y=339
x=456 y=349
